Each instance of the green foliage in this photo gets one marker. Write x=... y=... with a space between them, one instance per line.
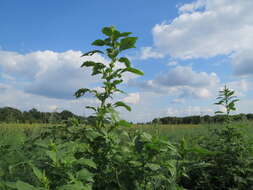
x=102 y=156
x=221 y=160
x=226 y=99
x=111 y=74
x=112 y=155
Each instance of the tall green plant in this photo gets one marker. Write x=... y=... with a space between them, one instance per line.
x=111 y=74
x=227 y=99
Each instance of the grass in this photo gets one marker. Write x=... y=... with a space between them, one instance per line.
x=171 y=132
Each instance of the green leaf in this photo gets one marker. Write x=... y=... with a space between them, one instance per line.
x=218 y=112
x=38 y=173
x=90 y=53
x=11 y=185
x=81 y=92
x=125 y=61
x=125 y=34
x=84 y=174
x=145 y=137
x=153 y=167
x=91 y=107
x=98 y=42
x=127 y=43
x=76 y=186
x=122 y=104
x=52 y=155
x=86 y=162
x=124 y=123
x=116 y=82
x=133 y=70
x=88 y=64
x=97 y=69
x=108 y=30
x=24 y=186
x=201 y=150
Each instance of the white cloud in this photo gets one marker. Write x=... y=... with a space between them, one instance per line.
x=51 y=74
x=47 y=80
x=149 y=52
x=190 y=7
x=181 y=81
x=48 y=73
x=243 y=63
x=207 y=28
x=132 y=98
x=185 y=76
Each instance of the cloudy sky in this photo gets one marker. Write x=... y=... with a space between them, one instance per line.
x=187 y=49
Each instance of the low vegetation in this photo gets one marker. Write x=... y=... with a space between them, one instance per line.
x=113 y=154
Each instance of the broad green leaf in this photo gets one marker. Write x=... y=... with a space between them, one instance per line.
x=218 y=112
x=97 y=69
x=52 y=155
x=107 y=30
x=153 y=167
x=127 y=43
x=86 y=162
x=88 y=64
x=146 y=137
x=90 y=53
x=98 y=43
x=125 y=34
x=133 y=70
x=38 y=173
x=24 y=186
x=116 y=82
x=201 y=150
x=11 y=185
x=84 y=174
x=76 y=186
x=125 y=61
x=81 y=92
x=122 y=104
x=135 y=163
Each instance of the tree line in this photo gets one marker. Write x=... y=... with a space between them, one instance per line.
x=202 y=119
x=13 y=115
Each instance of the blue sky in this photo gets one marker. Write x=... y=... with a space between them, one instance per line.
x=188 y=50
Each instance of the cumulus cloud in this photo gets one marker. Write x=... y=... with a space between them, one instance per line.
x=149 y=52
x=207 y=28
x=185 y=76
x=132 y=98
x=243 y=63
x=181 y=81
x=50 y=74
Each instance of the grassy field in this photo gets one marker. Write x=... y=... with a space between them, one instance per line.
x=170 y=132
x=192 y=155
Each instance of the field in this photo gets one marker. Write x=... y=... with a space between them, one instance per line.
x=174 y=133
x=108 y=153
x=17 y=144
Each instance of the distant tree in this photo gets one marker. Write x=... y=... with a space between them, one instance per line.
x=65 y=114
